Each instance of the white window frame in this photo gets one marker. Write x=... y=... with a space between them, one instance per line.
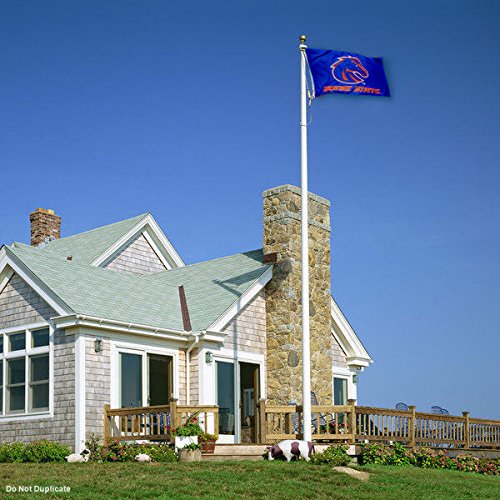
x=347 y=374
x=26 y=353
x=142 y=350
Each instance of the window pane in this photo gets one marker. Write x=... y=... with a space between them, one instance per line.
x=16 y=398
x=39 y=397
x=40 y=338
x=225 y=397
x=131 y=379
x=39 y=368
x=1 y=380
x=17 y=342
x=339 y=391
x=1 y=344
x=16 y=371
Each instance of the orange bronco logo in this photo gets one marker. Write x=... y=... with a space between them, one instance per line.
x=349 y=71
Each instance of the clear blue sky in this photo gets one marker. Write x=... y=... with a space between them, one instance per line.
x=112 y=108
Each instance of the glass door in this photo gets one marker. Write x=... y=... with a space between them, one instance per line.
x=225 y=399
x=130 y=380
x=159 y=379
x=249 y=397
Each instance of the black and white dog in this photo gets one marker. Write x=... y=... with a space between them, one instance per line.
x=291 y=448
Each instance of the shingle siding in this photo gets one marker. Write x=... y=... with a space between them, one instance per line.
x=247 y=331
x=20 y=305
x=194 y=378
x=338 y=355
x=137 y=258
x=182 y=376
x=97 y=384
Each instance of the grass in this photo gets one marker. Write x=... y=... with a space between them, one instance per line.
x=247 y=479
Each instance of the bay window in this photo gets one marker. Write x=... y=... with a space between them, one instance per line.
x=24 y=371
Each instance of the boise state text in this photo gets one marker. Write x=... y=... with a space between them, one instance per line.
x=346 y=73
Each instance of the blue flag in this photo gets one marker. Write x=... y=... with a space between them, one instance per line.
x=346 y=73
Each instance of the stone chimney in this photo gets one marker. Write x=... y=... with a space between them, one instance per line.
x=45 y=226
x=283 y=296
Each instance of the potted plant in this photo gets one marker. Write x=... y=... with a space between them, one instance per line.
x=207 y=442
x=190 y=453
x=187 y=434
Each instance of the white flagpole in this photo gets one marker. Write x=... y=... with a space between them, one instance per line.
x=306 y=354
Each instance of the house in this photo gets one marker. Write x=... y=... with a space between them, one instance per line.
x=114 y=316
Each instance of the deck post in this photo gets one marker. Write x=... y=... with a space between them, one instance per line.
x=107 y=426
x=352 y=419
x=173 y=413
x=412 y=425
x=466 y=429
x=262 y=422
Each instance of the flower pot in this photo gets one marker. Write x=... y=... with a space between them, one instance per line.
x=189 y=455
x=208 y=447
x=182 y=441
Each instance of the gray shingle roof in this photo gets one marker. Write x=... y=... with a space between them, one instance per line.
x=211 y=287
x=86 y=247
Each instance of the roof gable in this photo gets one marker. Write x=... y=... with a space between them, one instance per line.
x=98 y=247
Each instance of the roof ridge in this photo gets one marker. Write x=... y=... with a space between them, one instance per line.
x=138 y=217
x=202 y=262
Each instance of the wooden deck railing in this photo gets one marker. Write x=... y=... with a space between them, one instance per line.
x=156 y=423
x=358 y=424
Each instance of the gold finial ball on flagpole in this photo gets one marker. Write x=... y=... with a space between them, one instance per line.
x=302 y=39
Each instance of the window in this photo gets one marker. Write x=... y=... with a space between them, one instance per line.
x=24 y=371
x=144 y=379
x=339 y=391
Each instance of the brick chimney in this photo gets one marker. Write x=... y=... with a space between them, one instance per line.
x=45 y=226
x=283 y=296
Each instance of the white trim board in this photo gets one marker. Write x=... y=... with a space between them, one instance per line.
x=346 y=337
x=155 y=237
x=80 y=406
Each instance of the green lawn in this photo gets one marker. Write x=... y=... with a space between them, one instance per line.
x=249 y=479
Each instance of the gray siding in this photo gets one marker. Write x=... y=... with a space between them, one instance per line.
x=97 y=384
x=338 y=355
x=137 y=258
x=247 y=331
x=194 y=379
x=19 y=306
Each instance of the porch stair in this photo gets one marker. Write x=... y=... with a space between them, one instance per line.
x=236 y=452
x=252 y=452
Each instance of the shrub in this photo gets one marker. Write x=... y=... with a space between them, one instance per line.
x=35 y=452
x=333 y=455
x=119 y=452
x=427 y=458
x=46 y=451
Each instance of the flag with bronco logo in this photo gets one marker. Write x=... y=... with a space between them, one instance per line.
x=334 y=71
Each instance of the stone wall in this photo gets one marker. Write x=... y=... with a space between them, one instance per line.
x=19 y=306
x=137 y=258
x=283 y=296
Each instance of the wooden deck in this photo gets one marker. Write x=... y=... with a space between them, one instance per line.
x=347 y=424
